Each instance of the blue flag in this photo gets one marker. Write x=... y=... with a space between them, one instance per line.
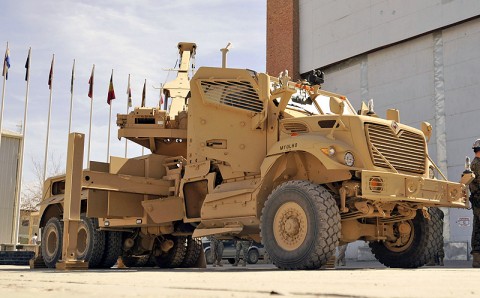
x=6 y=64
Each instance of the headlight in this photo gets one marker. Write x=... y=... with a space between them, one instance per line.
x=349 y=159
x=431 y=172
x=329 y=151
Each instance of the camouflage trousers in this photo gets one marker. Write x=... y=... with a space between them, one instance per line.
x=476 y=230
x=217 y=250
x=241 y=246
x=342 y=249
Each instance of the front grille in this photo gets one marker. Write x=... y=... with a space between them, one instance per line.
x=405 y=151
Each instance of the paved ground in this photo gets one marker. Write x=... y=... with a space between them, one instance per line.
x=358 y=279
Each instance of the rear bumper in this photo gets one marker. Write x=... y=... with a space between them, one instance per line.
x=383 y=186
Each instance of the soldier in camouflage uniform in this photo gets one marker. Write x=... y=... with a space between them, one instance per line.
x=340 y=260
x=241 y=245
x=216 y=248
x=475 y=200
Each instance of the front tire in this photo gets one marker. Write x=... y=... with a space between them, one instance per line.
x=414 y=252
x=300 y=225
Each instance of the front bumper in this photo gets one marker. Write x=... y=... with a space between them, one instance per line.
x=386 y=187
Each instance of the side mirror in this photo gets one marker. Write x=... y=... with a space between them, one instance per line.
x=336 y=105
x=363 y=109
x=427 y=130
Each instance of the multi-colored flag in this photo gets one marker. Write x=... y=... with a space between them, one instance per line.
x=144 y=93
x=111 y=91
x=90 y=82
x=50 y=76
x=129 y=93
x=6 y=63
x=27 y=65
x=73 y=77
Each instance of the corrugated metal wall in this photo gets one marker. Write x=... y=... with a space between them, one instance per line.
x=431 y=78
x=9 y=153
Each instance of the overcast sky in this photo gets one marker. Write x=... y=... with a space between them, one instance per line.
x=132 y=37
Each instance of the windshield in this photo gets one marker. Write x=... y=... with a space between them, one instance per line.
x=301 y=101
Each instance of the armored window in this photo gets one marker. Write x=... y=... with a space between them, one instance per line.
x=237 y=94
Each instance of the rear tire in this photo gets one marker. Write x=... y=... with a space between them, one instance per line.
x=418 y=250
x=300 y=225
x=194 y=248
x=135 y=261
x=113 y=249
x=90 y=242
x=52 y=238
x=175 y=256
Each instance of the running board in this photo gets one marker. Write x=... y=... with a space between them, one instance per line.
x=206 y=232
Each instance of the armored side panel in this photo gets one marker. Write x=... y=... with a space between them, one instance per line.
x=222 y=108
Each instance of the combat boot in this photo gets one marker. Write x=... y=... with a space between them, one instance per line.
x=244 y=263
x=235 y=264
x=219 y=264
x=476 y=260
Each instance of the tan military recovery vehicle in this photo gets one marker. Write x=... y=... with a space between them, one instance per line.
x=240 y=154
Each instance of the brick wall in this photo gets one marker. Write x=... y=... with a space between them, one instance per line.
x=282 y=37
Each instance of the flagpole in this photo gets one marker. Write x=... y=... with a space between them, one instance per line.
x=71 y=99
x=90 y=132
x=128 y=109
x=109 y=118
x=3 y=94
x=91 y=112
x=109 y=124
x=144 y=96
x=22 y=150
x=160 y=101
x=48 y=121
x=126 y=144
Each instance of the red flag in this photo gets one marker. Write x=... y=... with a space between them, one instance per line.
x=129 y=93
x=90 y=82
x=144 y=93
x=50 y=76
x=111 y=91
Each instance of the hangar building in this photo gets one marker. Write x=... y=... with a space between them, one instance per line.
x=421 y=57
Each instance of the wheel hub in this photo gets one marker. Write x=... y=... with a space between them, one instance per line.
x=290 y=226
x=405 y=234
x=52 y=239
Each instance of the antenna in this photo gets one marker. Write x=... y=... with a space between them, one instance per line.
x=224 y=54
